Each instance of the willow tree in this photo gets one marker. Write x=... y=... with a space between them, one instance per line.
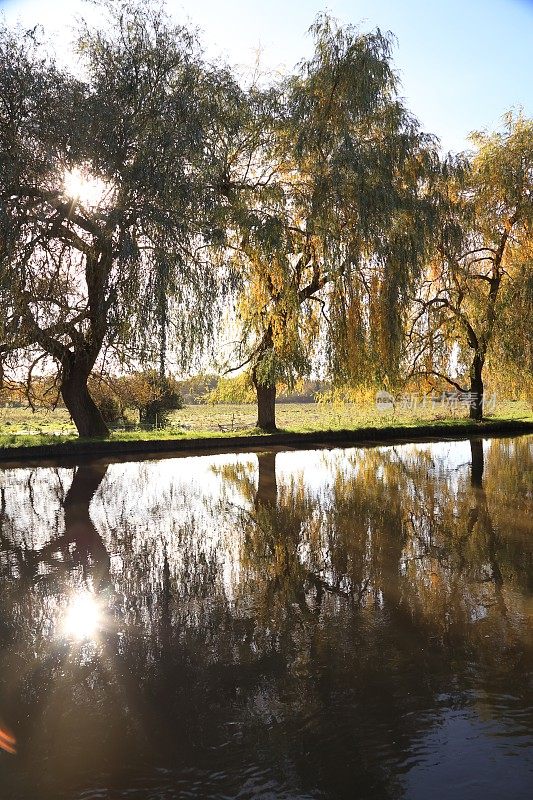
x=335 y=239
x=510 y=358
x=481 y=269
x=104 y=196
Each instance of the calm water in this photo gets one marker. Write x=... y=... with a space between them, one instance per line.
x=349 y=623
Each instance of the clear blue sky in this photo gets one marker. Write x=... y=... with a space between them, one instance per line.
x=463 y=63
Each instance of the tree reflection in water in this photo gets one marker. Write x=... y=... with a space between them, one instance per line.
x=292 y=624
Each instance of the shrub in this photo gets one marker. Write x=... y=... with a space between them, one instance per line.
x=111 y=410
x=152 y=395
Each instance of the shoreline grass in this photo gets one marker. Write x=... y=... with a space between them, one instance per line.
x=206 y=418
x=365 y=426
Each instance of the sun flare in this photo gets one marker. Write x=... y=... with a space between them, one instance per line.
x=83 y=187
x=83 y=618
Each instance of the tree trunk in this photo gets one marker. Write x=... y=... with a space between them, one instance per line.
x=81 y=537
x=480 y=516
x=80 y=405
x=266 y=404
x=476 y=387
x=476 y=475
x=267 y=488
x=81 y=545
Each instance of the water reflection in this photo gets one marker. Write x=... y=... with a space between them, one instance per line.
x=348 y=623
x=83 y=617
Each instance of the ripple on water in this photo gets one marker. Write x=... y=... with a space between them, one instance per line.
x=468 y=755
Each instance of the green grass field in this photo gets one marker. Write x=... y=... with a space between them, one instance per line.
x=20 y=426
x=304 y=417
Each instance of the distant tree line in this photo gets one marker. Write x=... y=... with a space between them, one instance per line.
x=151 y=203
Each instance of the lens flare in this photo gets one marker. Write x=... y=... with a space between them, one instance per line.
x=7 y=741
x=82 y=618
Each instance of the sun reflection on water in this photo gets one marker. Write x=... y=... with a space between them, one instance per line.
x=83 y=617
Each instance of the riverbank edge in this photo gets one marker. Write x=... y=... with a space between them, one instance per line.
x=393 y=433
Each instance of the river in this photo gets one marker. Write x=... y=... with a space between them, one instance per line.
x=332 y=623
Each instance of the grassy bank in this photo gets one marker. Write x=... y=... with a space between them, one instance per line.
x=21 y=425
x=204 y=427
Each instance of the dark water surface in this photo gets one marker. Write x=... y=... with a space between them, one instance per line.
x=349 y=623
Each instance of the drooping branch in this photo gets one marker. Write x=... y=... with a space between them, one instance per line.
x=426 y=373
